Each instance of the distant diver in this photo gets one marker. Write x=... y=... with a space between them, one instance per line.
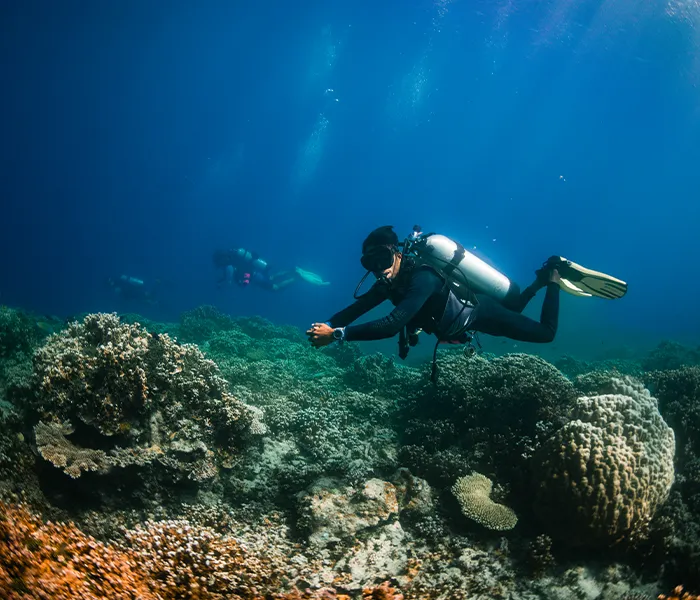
x=440 y=288
x=134 y=291
x=243 y=267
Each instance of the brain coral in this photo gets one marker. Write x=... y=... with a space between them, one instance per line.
x=473 y=494
x=601 y=477
x=107 y=394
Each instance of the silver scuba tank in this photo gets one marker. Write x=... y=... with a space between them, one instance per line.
x=259 y=264
x=131 y=280
x=465 y=271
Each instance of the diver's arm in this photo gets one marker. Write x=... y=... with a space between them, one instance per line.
x=373 y=298
x=423 y=285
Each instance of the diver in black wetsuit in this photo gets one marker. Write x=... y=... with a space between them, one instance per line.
x=423 y=301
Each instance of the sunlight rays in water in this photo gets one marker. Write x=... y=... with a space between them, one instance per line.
x=686 y=13
x=319 y=89
x=405 y=105
x=310 y=154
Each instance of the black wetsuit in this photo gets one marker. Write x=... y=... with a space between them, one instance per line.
x=424 y=301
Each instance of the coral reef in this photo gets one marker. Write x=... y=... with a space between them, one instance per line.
x=18 y=332
x=602 y=476
x=19 y=335
x=180 y=556
x=316 y=430
x=18 y=479
x=487 y=416
x=165 y=560
x=678 y=392
x=669 y=355
x=255 y=467
x=616 y=367
x=332 y=512
x=199 y=324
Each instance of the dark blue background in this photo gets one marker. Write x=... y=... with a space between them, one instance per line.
x=137 y=137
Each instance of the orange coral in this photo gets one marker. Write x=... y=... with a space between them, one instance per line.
x=383 y=592
x=322 y=594
x=49 y=561
x=679 y=594
x=168 y=560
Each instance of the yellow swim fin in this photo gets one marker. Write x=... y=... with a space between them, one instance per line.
x=580 y=281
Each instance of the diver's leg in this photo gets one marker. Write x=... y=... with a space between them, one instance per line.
x=282 y=279
x=518 y=302
x=263 y=280
x=493 y=318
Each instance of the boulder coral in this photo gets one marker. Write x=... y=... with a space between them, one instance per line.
x=602 y=476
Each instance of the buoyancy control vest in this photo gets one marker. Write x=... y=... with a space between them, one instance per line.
x=463 y=272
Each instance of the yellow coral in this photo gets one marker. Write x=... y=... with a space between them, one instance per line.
x=473 y=494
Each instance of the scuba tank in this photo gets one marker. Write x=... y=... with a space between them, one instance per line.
x=465 y=272
x=131 y=280
x=258 y=263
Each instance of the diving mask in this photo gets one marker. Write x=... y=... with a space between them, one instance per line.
x=378 y=258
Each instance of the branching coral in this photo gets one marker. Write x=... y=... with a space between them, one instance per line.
x=49 y=561
x=182 y=557
x=678 y=392
x=199 y=324
x=166 y=560
x=487 y=415
x=670 y=355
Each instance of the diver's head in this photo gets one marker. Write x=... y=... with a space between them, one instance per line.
x=380 y=253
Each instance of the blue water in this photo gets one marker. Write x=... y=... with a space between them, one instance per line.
x=137 y=137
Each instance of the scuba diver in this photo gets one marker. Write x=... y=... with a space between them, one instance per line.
x=440 y=288
x=242 y=267
x=133 y=291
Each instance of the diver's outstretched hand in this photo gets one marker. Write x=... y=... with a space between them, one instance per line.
x=320 y=334
x=310 y=277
